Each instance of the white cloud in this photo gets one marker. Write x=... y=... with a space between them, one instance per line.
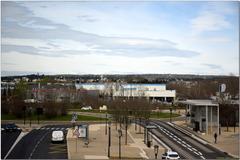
x=209 y=21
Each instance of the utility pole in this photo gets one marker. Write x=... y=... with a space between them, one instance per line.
x=109 y=138
x=106 y=125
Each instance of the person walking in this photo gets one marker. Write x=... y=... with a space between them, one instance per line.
x=215 y=137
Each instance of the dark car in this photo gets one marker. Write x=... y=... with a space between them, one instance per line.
x=11 y=127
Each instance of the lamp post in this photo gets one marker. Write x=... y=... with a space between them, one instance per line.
x=106 y=124
x=171 y=114
x=24 y=114
x=119 y=136
x=30 y=116
x=109 y=137
x=156 y=151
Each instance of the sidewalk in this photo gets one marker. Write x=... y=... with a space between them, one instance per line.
x=98 y=145
x=226 y=142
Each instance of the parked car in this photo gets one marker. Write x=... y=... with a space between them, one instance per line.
x=57 y=136
x=86 y=108
x=170 y=155
x=10 y=127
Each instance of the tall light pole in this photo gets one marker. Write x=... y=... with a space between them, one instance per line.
x=30 y=116
x=106 y=124
x=119 y=136
x=171 y=114
x=109 y=137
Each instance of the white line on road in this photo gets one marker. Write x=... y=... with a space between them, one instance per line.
x=202 y=157
x=21 y=135
x=196 y=153
x=35 y=147
x=200 y=153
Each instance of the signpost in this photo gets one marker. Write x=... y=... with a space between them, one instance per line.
x=76 y=133
x=74 y=118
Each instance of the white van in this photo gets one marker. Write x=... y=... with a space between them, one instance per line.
x=57 y=136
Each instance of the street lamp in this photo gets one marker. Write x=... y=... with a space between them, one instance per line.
x=119 y=136
x=24 y=114
x=106 y=124
x=171 y=114
x=30 y=115
x=109 y=137
x=156 y=150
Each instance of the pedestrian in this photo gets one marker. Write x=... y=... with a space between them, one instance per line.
x=215 y=137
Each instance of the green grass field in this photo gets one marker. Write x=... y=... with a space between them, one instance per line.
x=57 y=118
x=163 y=115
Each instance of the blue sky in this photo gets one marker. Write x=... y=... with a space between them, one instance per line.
x=120 y=37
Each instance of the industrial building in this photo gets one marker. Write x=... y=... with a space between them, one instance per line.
x=155 y=92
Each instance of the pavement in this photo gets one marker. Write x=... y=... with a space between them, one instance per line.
x=98 y=144
x=227 y=142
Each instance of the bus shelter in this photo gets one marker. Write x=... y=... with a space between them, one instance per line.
x=202 y=115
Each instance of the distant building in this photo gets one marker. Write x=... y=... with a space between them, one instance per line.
x=155 y=92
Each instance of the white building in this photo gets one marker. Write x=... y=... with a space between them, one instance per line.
x=151 y=91
x=202 y=115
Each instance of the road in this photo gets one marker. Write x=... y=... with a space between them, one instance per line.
x=185 y=145
x=37 y=145
x=7 y=140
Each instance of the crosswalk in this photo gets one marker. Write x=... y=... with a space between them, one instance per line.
x=52 y=128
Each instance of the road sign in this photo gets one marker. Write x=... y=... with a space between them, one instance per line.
x=222 y=87
x=151 y=127
x=83 y=131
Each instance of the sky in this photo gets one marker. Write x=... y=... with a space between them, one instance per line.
x=120 y=37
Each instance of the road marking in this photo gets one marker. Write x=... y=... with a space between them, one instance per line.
x=200 y=153
x=194 y=149
x=21 y=135
x=52 y=128
x=35 y=147
x=184 y=145
x=188 y=145
x=202 y=157
x=196 y=153
x=189 y=149
x=178 y=142
x=43 y=128
x=67 y=129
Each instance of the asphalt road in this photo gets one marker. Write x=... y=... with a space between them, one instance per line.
x=37 y=145
x=185 y=145
x=7 y=140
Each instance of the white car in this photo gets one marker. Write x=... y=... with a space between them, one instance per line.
x=57 y=136
x=86 y=108
x=170 y=155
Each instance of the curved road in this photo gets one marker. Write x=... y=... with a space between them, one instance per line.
x=185 y=145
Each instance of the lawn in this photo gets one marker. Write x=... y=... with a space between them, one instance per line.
x=163 y=115
x=57 y=118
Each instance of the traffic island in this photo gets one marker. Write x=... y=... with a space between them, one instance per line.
x=97 y=147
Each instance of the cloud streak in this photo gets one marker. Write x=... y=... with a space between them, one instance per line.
x=27 y=26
